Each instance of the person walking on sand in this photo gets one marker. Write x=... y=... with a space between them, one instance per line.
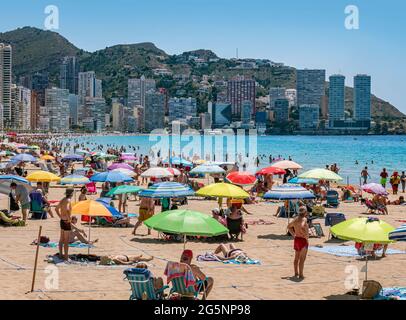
x=365 y=175
x=403 y=181
x=395 y=181
x=299 y=229
x=64 y=211
x=147 y=209
x=384 y=177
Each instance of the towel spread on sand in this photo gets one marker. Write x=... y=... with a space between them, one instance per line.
x=392 y=294
x=347 y=251
x=72 y=245
x=209 y=256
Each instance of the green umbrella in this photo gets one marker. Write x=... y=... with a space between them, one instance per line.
x=124 y=189
x=187 y=223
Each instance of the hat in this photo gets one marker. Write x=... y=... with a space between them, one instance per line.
x=188 y=253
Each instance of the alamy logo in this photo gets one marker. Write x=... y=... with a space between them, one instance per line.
x=52 y=19
x=352 y=19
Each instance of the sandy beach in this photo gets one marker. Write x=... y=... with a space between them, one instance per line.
x=325 y=274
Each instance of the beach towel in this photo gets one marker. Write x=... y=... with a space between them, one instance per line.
x=392 y=294
x=209 y=256
x=347 y=251
x=71 y=245
x=176 y=270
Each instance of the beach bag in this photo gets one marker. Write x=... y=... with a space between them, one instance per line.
x=370 y=289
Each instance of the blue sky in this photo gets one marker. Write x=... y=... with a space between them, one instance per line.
x=303 y=34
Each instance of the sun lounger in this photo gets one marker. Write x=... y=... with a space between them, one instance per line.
x=142 y=285
x=332 y=199
x=235 y=228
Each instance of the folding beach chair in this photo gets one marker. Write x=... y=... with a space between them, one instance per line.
x=37 y=206
x=235 y=228
x=334 y=218
x=332 y=199
x=142 y=285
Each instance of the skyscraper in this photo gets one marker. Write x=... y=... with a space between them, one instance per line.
x=281 y=110
x=310 y=86
x=246 y=112
x=69 y=74
x=181 y=108
x=57 y=108
x=239 y=90
x=5 y=85
x=137 y=89
x=94 y=113
x=309 y=115
x=154 y=111
x=86 y=84
x=362 y=98
x=275 y=94
x=336 y=102
x=73 y=109
x=21 y=108
x=39 y=83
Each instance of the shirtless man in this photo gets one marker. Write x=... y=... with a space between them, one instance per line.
x=147 y=208
x=208 y=282
x=64 y=210
x=299 y=229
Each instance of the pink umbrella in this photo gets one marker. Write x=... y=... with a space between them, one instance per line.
x=374 y=188
x=120 y=166
x=128 y=157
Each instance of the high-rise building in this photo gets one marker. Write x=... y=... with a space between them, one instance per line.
x=239 y=90
x=205 y=121
x=182 y=108
x=35 y=108
x=5 y=85
x=117 y=110
x=281 y=110
x=39 y=83
x=310 y=86
x=246 y=112
x=73 y=109
x=154 y=111
x=309 y=116
x=21 y=108
x=276 y=93
x=88 y=87
x=94 y=113
x=221 y=114
x=137 y=89
x=69 y=74
x=57 y=109
x=336 y=102
x=362 y=98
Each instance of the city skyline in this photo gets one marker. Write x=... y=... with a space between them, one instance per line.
x=371 y=49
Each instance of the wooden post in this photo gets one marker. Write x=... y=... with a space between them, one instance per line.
x=36 y=259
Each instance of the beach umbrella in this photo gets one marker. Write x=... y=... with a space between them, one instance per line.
x=174 y=171
x=199 y=161
x=374 y=188
x=167 y=190
x=74 y=179
x=287 y=164
x=320 y=174
x=110 y=176
x=128 y=157
x=177 y=161
x=7 y=180
x=157 y=172
x=271 y=170
x=92 y=208
x=107 y=157
x=23 y=157
x=186 y=223
x=363 y=230
x=47 y=157
x=81 y=151
x=288 y=192
x=207 y=169
x=241 y=178
x=34 y=147
x=124 y=189
x=120 y=166
x=129 y=173
x=398 y=234
x=43 y=176
x=297 y=180
x=222 y=190
x=72 y=157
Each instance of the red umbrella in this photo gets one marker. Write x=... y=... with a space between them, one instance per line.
x=271 y=170
x=241 y=178
x=12 y=134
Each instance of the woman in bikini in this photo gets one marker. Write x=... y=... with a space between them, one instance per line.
x=228 y=254
x=123 y=259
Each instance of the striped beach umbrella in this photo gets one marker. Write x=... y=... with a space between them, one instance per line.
x=398 y=234
x=288 y=192
x=167 y=190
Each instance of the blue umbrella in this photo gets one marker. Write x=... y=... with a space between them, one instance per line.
x=398 y=234
x=111 y=176
x=297 y=180
x=24 y=157
x=7 y=180
x=288 y=192
x=106 y=202
x=167 y=190
x=178 y=161
x=72 y=157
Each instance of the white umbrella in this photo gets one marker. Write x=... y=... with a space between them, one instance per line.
x=287 y=164
x=129 y=173
x=157 y=173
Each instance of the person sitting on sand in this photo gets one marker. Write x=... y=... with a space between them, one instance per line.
x=398 y=202
x=123 y=259
x=77 y=234
x=376 y=247
x=83 y=193
x=299 y=229
x=229 y=254
x=208 y=282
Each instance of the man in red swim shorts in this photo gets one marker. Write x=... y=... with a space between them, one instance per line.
x=299 y=229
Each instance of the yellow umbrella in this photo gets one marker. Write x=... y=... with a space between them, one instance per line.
x=224 y=190
x=47 y=157
x=90 y=208
x=43 y=176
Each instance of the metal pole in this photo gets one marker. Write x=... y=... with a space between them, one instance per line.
x=36 y=259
